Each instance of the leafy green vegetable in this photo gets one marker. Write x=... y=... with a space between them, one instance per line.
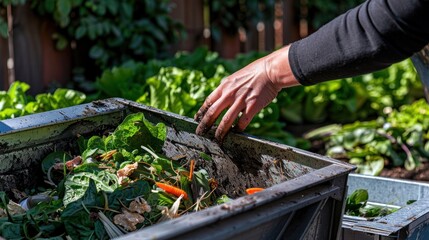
x=351 y=99
x=15 y=102
x=397 y=139
x=357 y=200
x=357 y=205
x=120 y=174
x=76 y=185
x=76 y=216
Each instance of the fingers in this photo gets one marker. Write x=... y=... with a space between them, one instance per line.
x=227 y=120
x=247 y=116
x=210 y=114
x=207 y=104
x=211 y=110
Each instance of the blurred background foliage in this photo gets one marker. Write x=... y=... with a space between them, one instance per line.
x=125 y=49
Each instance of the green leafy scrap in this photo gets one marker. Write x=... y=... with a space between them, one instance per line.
x=357 y=205
x=118 y=169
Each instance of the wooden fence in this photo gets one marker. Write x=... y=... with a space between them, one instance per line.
x=37 y=62
x=284 y=28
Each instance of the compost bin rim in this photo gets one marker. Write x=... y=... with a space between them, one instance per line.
x=63 y=115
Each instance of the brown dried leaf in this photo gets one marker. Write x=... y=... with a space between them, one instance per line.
x=71 y=164
x=14 y=209
x=127 y=170
x=139 y=205
x=128 y=220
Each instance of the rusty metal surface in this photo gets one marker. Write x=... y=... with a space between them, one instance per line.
x=297 y=181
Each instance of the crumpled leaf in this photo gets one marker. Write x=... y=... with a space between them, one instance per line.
x=13 y=208
x=132 y=216
x=125 y=172
x=128 y=219
x=139 y=205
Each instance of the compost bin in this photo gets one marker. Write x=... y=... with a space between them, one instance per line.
x=410 y=221
x=303 y=199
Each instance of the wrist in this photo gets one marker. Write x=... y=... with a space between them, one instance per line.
x=278 y=69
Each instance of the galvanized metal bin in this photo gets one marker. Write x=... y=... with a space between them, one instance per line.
x=305 y=192
x=411 y=222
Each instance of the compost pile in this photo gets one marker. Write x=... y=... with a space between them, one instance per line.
x=119 y=183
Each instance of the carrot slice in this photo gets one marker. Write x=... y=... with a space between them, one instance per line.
x=191 y=169
x=253 y=190
x=172 y=190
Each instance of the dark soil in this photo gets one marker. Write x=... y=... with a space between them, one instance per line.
x=421 y=173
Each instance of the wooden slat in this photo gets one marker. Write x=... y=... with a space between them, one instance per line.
x=190 y=14
x=290 y=26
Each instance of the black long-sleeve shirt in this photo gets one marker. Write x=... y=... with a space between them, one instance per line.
x=367 y=38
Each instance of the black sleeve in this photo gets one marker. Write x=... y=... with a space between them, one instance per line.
x=367 y=38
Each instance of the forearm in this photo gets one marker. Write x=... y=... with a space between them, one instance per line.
x=367 y=38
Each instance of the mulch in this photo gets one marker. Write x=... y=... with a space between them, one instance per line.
x=421 y=173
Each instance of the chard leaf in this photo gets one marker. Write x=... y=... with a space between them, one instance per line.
x=77 y=220
x=76 y=185
x=357 y=200
x=95 y=145
x=10 y=230
x=127 y=194
x=373 y=166
x=136 y=131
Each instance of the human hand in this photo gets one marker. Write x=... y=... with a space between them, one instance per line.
x=246 y=91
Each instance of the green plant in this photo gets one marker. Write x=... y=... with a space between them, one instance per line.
x=15 y=102
x=105 y=33
x=398 y=139
x=347 y=100
x=180 y=85
x=357 y=205
x=114 y=31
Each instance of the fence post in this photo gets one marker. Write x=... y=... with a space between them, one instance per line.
x=290 y=29
x=37 y=61
x=190 y=14
x=3 y=60
x=269 y=31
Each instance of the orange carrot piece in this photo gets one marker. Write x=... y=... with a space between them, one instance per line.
x=172 y=190
x=191 y=169
x=253 y=190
